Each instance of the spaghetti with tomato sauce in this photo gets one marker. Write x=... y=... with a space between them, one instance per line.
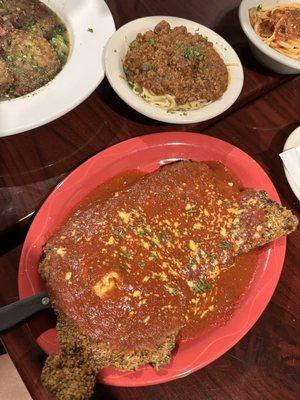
x=278 y=27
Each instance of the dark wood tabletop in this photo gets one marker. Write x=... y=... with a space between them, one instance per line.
x=265 y=363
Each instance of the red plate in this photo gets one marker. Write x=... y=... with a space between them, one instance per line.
x=147 y=153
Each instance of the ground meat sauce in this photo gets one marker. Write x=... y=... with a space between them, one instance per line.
x=145 y=256
x=176 y=62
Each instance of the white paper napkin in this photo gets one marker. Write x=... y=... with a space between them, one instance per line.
x=291 y=161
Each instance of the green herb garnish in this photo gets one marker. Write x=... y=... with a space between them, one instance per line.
x=141 y=264
x=11 y=92
x=11 y=58
x=169 y=238
x=228 y=203
x=189 y=53
x=63 y=59
x=148 y=67
x=125 y=253
x=118 y=233
x=258 y=8
x=152 y=256
x=176 y=45
x=192 y=262
x=58 y=30
x=91 y=30
x=151 y=41
x=191 y=210
x=155 y=241
x=174 y=291
x=201 y=287
x=225 y=246
x=186 y=53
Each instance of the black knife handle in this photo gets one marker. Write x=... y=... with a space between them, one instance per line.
x=18 y=311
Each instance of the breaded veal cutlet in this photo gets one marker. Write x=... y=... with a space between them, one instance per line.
x=183 y=214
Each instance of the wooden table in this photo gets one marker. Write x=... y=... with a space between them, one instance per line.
x=263 y=365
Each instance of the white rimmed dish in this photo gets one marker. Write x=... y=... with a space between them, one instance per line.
x=292 y=141
x=90 y=24
x=116 y=50
x=265 y=54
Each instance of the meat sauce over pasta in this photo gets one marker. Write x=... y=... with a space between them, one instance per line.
x=176 y=62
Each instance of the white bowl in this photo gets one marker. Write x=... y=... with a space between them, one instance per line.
x=80 y=76
x=116 y=50
x=265 y=54
x=292 y=141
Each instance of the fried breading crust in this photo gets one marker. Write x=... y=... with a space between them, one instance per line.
x=72 y=374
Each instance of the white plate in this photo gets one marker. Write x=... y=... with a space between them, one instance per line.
x=265 y=54
x=79 y=77
x=292 y=141
x=116 y=50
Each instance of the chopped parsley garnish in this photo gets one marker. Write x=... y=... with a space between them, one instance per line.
x=258 y=8
x=186 y=53
x=189 y=53
x=152 y=256
x=91 y=30
x=141 y=231
x=200 y=254
x=192 y=262
x=169 y=238
x=201 y=287
x=58 y=30
x=63 y=59
x=125 y=253
x=174 y=291
x=148 y=67
x=176 y=45
x=162 y=235
x=151 y=41
x=228 y=203
x=225 y=246
x=191 y=210
x=11 y=58
x=162 y=277
x=118 y=233
x=11 y=92
x=155 y=241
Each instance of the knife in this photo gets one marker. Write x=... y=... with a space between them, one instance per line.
x=17 y=312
